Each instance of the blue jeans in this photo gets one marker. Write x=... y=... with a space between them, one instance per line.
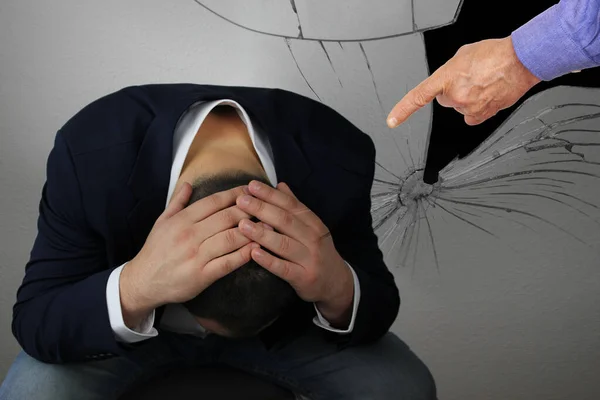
x=306 y=364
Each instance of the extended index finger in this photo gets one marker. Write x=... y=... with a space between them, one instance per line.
x=417 y=98
x=210 y=205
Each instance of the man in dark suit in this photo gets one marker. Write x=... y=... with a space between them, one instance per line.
x=189 y=225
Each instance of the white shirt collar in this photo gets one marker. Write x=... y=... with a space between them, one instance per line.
x=188 y=126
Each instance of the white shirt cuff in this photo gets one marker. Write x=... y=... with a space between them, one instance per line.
x=321 y=322
x=115 y=314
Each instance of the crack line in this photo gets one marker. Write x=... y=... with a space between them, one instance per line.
x=287 y=42
x=295 y=9
x=200 y=3
x=532 y=171
x=387 y=170
x=372 y=77
x=518 y=212
x=330 y=62
x=435 y=256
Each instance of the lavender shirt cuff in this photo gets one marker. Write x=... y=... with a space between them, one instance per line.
x=545 y=49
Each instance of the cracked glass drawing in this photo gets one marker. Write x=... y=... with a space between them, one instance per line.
x=335 y=20
x=347 y=62
x=535 y=177
x=538 y=174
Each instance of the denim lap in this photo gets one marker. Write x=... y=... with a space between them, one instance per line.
x=319 y=370
x=306 y=364
x=96 y=380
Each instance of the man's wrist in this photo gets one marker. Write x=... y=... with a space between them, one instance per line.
x=135 y=305
x=527 y=78
x=337 y=309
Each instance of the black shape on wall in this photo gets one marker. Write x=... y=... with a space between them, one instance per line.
x=479 y=20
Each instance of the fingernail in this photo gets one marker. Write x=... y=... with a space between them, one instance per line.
x=247 y=226
x=245 y=189
x=268 y=226
x=254 y=246
x=392 y=122
x=245 y=200
x=255 y=186
x=259 y=253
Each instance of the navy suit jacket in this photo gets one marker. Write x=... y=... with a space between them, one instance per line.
x=107 y=180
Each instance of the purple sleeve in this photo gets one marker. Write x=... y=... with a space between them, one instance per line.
x=562 y=39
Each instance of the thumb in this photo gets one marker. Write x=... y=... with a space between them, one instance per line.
x=417 y=98
x=474 y=120
x=178 y=202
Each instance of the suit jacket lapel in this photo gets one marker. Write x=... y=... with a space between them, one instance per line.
x=149 y=179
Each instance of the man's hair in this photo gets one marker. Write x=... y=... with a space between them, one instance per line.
x=248 y=299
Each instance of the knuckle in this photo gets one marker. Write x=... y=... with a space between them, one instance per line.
x=287 y=219
x=268 y=194
x=259 y=205
x=476 y=110
x=214 y=200
x=236 y=214
x=191 y=252
x=461 y=97
x=227 y=265
x=240 y=214
x=459 y=103
x=245 y=257
x=290 y=203
x=231 y=237
x=185 y=235
x=284 y=244
x=482 y=114
x=420 y=99
x=285 y=269
x=235 y=192
x=228 y=217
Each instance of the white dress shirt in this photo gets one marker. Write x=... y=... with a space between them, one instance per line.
x=176 y=317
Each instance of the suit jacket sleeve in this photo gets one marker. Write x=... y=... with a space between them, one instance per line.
x=358 y=245
x=61 y=312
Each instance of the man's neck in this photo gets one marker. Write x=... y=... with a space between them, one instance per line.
x=222 y=142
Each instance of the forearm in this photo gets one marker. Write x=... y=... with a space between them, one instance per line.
x=562 y=39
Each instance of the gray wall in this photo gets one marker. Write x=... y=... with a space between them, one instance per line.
x=511 y=313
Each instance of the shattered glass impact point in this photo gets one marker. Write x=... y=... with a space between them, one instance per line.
x=414 y=188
